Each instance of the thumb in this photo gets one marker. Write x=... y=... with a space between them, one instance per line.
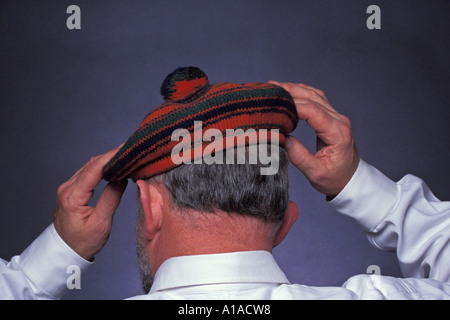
x=300 y=156
x=109 y=200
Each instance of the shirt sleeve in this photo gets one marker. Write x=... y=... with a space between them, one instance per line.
x=42 y=270
x=403 y=216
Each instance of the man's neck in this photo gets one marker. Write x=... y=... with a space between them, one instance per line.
x=218 y=233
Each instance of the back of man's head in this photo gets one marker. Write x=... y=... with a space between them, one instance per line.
x=231 y=188
x=190 y=201
x=209 y=208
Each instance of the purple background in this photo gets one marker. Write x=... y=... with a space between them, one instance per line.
x=67 y=95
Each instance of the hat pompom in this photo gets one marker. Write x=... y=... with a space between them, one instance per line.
x=183 y=82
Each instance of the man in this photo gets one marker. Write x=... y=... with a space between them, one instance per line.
x=188 y=248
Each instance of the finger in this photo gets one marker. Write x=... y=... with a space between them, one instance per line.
x=110 y=198
x=300 y=91
x=317 y=91
x=300 y=156
x=315 y=95
x=77 y=173
x=275 y=83
x=300 y=103
x=327 y=127
x=90 y=176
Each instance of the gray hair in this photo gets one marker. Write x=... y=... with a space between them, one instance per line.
x=233 y=188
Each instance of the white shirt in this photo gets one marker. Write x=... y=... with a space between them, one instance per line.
x=403 y=216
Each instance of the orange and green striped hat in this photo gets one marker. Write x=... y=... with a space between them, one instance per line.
x=190 y=97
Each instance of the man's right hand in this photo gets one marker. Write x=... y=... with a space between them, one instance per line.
x=84 y=228
x=336 y=159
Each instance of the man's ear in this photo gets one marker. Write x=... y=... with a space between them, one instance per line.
x=152 y=208
x=289 y=219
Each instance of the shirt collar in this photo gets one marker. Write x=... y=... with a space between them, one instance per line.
x=234 y=267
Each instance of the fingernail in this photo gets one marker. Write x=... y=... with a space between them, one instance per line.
x=274 y=82
x=288 y=142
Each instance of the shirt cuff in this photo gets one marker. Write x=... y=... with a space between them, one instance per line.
x=368 y=196
x=47 y=260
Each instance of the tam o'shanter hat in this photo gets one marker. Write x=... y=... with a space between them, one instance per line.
x=190 y=97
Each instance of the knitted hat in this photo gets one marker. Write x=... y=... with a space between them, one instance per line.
x=189 y=97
